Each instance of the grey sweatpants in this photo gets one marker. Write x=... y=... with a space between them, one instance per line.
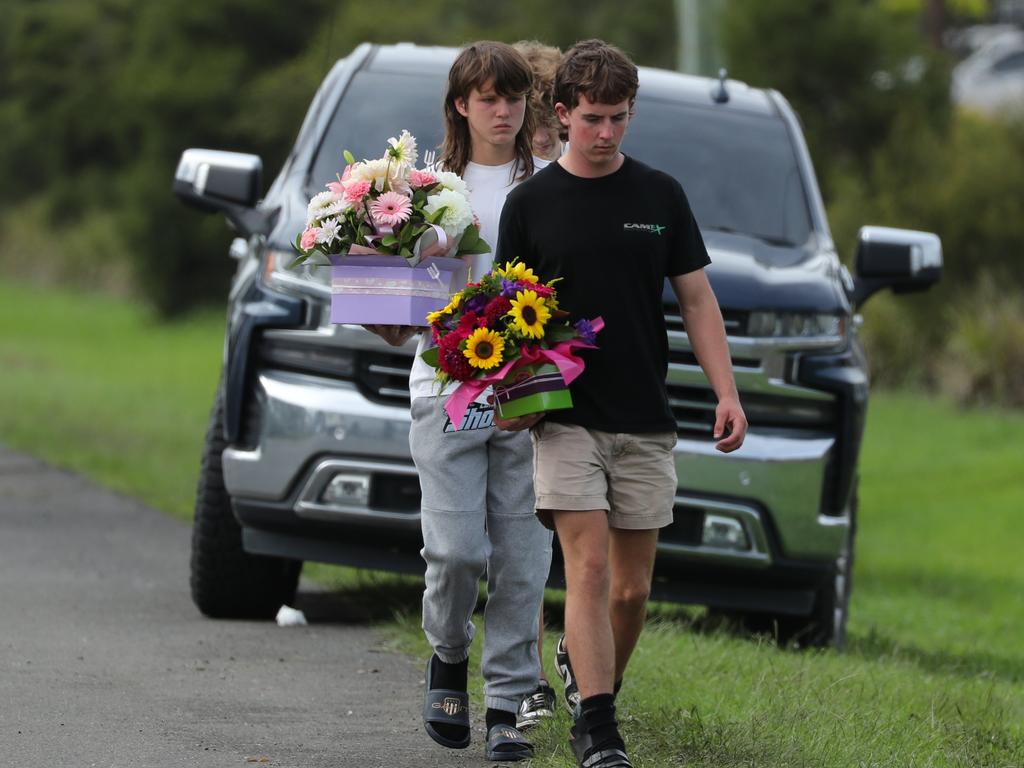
x=478 y=515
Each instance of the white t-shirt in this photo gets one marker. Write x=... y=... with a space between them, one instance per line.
x=488 y=187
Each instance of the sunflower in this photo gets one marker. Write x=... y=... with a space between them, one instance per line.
x=519 y=271
x=484 y=348
x=529 y=314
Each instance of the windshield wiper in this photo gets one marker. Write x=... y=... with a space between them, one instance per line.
x=769 y=239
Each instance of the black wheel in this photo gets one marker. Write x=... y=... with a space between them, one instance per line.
x=226 y=581
x=825 y=627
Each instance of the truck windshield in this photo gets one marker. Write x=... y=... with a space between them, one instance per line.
x=738 y=168
x=377 y=106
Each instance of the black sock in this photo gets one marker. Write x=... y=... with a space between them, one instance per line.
x=499 y=717
x=452 y=676
x=618 y=686
x=597 y=715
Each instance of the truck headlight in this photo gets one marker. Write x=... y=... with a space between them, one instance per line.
x=795 y=325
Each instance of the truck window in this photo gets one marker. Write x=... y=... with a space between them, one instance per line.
x=377 y=106
x=738 y=168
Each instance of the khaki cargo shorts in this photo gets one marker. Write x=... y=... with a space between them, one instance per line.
x=631 y=476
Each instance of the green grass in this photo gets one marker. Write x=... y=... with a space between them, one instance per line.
x=100 y=387
x=934 y=674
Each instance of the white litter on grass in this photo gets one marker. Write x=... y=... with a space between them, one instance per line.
x=290 y=617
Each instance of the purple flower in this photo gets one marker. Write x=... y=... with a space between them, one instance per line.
x=586 y=331
x=509 y=288
x=477 y=303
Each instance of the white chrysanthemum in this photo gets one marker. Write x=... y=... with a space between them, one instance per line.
x=457 y=216
x=317 y=205
x=453 y=182
x=403 y=149
x=340 y=205
x=328 y=231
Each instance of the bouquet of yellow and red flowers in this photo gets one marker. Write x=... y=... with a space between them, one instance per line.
x=508 y=331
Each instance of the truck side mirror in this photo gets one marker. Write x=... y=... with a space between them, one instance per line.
x=223 y=182
x=902 y=259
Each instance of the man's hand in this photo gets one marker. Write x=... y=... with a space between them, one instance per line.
x=519 y=423
x=730 y=421
x=395 y=335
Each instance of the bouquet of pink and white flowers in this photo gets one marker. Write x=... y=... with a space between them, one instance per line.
x=389 y=207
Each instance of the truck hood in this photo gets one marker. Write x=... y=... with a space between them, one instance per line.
x=749 y=274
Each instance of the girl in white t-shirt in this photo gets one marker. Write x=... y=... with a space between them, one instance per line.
x=477 y=509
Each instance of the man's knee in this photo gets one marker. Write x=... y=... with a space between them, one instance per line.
x=630 y=597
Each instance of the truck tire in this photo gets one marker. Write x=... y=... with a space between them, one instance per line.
x=825 y=626
x=227 y=582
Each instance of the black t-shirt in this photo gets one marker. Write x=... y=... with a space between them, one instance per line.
x=613 y=240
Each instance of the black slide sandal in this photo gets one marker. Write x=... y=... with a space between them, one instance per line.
x=445 y=707
x=506 y=743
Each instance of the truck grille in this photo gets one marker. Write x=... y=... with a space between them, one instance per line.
x=694 y=411
x=383 y=377
x=736 y=322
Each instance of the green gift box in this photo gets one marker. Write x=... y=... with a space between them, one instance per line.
x=531 y=389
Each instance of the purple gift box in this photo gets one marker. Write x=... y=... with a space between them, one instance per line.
x=385 y=290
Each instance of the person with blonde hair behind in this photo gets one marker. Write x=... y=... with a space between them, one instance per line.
x=548 y=133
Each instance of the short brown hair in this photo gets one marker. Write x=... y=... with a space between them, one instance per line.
x=473 y=68
x=543 y=60
x=597 y=70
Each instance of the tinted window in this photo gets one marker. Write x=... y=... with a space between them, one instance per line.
x=1011 y=63
x=376 y=106
x=738 y=169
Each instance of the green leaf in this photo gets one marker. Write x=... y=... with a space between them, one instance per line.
x=431 y=357
x=389 y=240
x=349 y=157
x=437 y=215
x=557 y=333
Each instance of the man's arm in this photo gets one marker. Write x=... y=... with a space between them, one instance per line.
x=704 y=326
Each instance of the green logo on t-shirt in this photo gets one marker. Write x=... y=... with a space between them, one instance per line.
x=656 y=229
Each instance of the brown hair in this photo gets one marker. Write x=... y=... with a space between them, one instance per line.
x=473 y=68
x=544 y=61
x=597 y=70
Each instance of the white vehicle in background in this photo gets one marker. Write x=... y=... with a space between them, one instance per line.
x=991 y=79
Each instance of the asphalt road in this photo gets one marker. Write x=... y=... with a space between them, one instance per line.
x=104 y=661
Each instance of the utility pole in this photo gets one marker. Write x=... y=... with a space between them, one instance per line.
x=688 y=36
x=935 y=21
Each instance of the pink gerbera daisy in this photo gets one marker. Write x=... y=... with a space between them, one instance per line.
x=391 y=208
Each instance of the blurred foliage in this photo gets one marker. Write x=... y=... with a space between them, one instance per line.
x=848 y=67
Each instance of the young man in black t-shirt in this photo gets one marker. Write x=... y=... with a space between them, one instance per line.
x=604 y=472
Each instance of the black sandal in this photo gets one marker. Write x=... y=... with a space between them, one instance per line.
x=442 y=706
x=588 y=756
x=506 y=743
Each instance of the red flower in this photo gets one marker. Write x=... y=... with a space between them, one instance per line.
x=467 y=323
x=495 y=310
x=451 y=359
x=542 y=290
